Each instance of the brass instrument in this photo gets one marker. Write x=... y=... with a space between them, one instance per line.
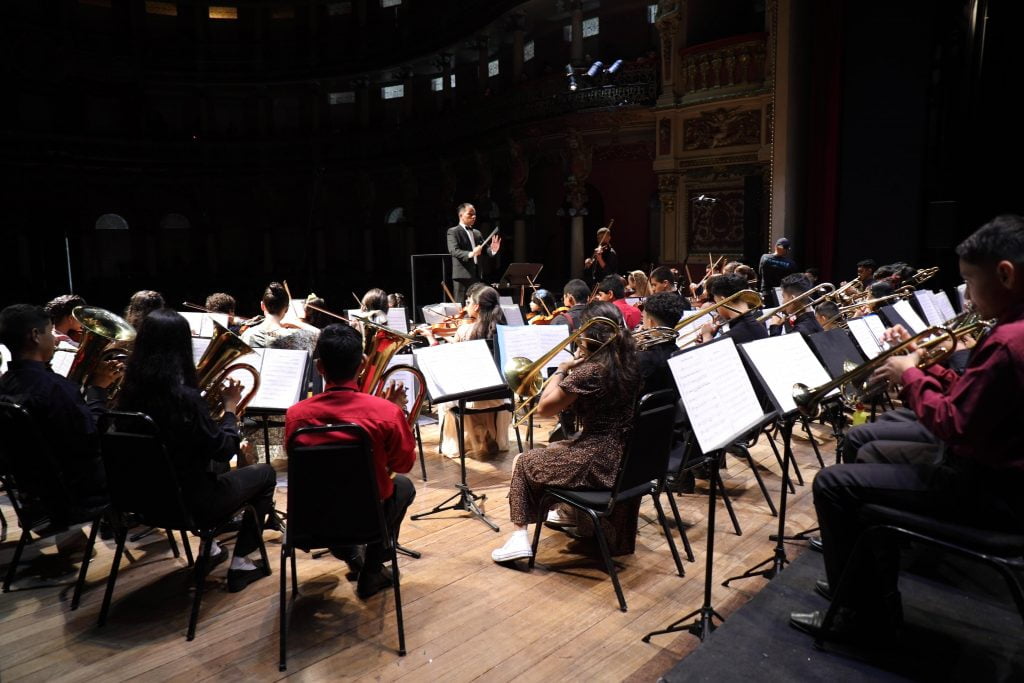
x=805 y=298
x=380 y=345
x=904 y=292
x=923 y=275
x=217 y=362
x=105 y=336
x=523 y=376
x=841 y=296
x=748 y=296
x=646 y=338
x=935 y=343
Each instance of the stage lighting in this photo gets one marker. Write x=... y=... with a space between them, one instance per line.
x=572 y=83
x=595 y=68
x=616 y=65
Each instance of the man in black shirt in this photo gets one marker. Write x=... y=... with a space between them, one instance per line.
x=604 y=261
x=784 y=322
x=866 y=272
x=660 y=310
x=574 y=297
x=773 y=268
x=64 y=418
x=743 y=325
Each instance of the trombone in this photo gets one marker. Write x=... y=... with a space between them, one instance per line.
x=805 y=298
x=844 y=315
x=922 y=275
x=523 y=376
x=748 y=296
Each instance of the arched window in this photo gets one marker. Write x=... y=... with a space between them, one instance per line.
x=395 y=215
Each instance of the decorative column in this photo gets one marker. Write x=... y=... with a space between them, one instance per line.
x=669 y=24
x=673 y=241
x=576 y=15
x=580 y=159
x=519 y=174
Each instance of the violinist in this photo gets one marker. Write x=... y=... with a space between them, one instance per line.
x=274 y=331
x=374 y=305
x=604 y=260
x=637 y=284
x=574 y=299
x=612 y=290
x=543 y=310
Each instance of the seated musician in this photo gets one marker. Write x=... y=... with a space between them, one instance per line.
x=637 y=284
x=601 y=385
x=543 y=310
x=66 y=329
x=866 y=272
x=275 y=331
x=743 y=325
x=574 y=297
x=660 y=310
x=792 y=317
x=813 y=275
x=160 y=381
x=977 y=471
x=748 y=274
x=665 y=279
x=313 y=317
x=612 y=290
x=827 y=315
x=339 y=356
x=141 y=304
x=374 y=305
x=66 y=420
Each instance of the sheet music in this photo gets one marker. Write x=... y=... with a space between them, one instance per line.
x=282 y=378
x=783 y=362
x=209 y=318
x=531 y=341
x=633 y=300
x=931 y=313
x=865 y=339
x=696 y=324
x=778 y=294
x=908 y=313
x=961 y=292
x=5 y=358
x=514 y=316
x=397 y=319
x=195 y=322
x=61 y=361
x=505 y=300
x=461 y=368
x=944 y=305
x=877 y=329
x=406 y=378
x=719 y=399
x=434 y=313
x=297 y=309
x=199 y=345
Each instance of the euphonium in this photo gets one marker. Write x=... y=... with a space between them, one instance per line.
x=217 y=362
x=523 y=376
x=652 y=336
x=105 y=336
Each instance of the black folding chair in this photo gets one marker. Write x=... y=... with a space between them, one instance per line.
x=1001 y=550
x=144 y=489
x=333 y=500
x=642 y=471
x=34 y=484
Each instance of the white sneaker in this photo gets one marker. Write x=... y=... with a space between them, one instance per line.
x=517 y=547
x=556 y=517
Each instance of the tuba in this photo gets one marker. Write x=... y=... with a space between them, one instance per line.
x=217 y=362
x=105 y=336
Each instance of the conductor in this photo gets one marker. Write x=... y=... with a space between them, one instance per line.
x=466 y=245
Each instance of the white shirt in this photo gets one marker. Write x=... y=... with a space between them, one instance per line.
x=472 y=242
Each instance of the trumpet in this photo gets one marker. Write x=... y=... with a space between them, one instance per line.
x=841 y=297
x=105 y=336
x=524 y=376
x=652 y=336
x=217 y=362
x=805 y=298
x=935 y=344
x=748 y=296
x=904 y=292
x=923 y=275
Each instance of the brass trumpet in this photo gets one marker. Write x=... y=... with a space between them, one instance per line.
x=217 y=362
x=922 y=275
x=841 y=296
x=844 y=315
x=105 y=336
x=523 y=376
x=805 y=298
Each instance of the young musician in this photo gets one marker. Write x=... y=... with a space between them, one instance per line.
x=274 y=331
x=339 y=356
x=866 y=272
x=980 y=469
x=613 y=291
x=604 y=260
x=664 y=279
x=574 y=297
x=803 y=321
x=160 y=381
x=637 y=282
x=543 y=310
x=65 y=420
x=827 y=315
x=660 y=310
x=374 y=305
x=601 y=386
x=465 y=244
x=743 y=325
x=141 y=304
x=773 y=267
x=66 y=329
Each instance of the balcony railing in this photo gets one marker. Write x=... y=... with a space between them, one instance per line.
x=723 y=66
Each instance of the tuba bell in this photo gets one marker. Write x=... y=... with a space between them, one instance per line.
x=105 y=336
x=217 y=362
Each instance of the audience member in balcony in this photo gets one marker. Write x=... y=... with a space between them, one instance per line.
x=604 y=260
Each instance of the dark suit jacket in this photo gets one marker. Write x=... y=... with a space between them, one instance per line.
x=463 y=267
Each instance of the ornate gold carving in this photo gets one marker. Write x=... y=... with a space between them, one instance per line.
x=722 y=127
x=667 y=187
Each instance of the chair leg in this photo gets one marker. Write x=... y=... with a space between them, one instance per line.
x=542 y=512
x=174 y=544
x=259 y=535
x=200 y=572
x=656 y=495
x=398 y=600
x=121 y=535
x=282 y=663
x=682 y=529
x=295 y=576
x=85 y=563
x=606 y=554
x=728 y=504
x=26 y=536
x=188 y=548
x=757 y=476
x=423 y=463
x=519 y=437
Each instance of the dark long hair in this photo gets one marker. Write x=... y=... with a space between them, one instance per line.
x=159 y=368
x=490 y=314
x=140 y=305
x=618 y=356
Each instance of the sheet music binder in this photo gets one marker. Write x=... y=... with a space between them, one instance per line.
x=833 y=348
x=455 y=371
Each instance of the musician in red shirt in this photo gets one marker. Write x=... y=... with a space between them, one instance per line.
x=339 y=356
x=613 y=290
x=979 y=469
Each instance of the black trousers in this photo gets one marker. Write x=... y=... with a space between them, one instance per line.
x=253 y=485
x=461 y=285
x=949 y=490
x=395 y=508
x=895 y=438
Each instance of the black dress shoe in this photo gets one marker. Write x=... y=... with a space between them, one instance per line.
x=814 y=543
x=822 y=588
x=238 y=579
x=352 y=555
x=808 y=622
x=371 y=583
x=879 y=627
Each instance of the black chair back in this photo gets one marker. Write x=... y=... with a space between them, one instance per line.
x=141 y=479
x=30 y=473
x=650 y=442
x=333 y=498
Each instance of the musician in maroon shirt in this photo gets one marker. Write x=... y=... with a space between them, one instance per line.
x=339 y=357
x=979 y=469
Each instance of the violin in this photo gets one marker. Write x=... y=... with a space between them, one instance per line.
x=541 y=319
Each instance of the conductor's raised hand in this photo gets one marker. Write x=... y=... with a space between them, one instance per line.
x=495 y=244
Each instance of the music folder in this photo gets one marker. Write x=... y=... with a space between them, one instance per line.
x=282 y=376
x=454 y=371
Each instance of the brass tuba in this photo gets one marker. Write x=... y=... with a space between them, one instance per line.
x=106 y=336
x=217 y=362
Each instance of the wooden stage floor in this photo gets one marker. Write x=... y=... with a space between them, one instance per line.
x=466 y=618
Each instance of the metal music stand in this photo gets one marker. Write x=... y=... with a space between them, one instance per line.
x=521 y=275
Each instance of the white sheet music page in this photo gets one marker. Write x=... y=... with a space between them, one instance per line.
x=282 y=378
x=784 y=361
x=719 y=399
x=5 y=358
x=531 y=341
x=633 y=300
x=908 y=313
x=865 y=339
x=195 y=322
x=513 y=316
x=944 y=305
x=208 y=320
x=397 y=319
x=459 y=368
x=877 y=329
x=297 y=309
x=505 y=300
x=931 y=313
x=199 y=345
x=696 y=324
x=406 y=378
x=61 y=362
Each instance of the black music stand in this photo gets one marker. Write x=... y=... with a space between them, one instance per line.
x=521 y=275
